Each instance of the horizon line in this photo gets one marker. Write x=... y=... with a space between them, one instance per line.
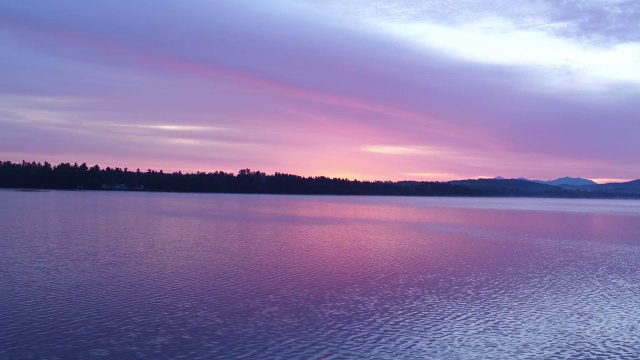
x=599 y=181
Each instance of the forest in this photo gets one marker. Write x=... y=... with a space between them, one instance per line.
x=32 y=175
x=64 y=176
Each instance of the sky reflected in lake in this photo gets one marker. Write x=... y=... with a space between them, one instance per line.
x=143 y=275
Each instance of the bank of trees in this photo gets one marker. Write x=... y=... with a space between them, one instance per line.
x=32 y=175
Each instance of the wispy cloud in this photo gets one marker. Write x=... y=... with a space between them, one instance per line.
x=539 y=89
x=402 y=150
x=500 y=42
x=434 y=176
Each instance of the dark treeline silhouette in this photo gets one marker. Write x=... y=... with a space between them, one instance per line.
x=32 y=175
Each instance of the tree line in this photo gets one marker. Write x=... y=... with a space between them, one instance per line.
x=32 y=175
x=64 y=176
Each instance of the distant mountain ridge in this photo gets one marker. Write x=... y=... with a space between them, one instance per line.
x=569 y=181
x=32 y=175
x=629 y=187
x=562 y=187
x=512 y=187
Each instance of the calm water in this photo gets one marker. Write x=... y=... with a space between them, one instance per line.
x=138 y=275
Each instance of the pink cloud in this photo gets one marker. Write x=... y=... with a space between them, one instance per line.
x=300 y=94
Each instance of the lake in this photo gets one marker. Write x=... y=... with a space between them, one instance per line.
x=155 y=275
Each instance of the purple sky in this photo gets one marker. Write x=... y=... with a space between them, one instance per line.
x=425 y=90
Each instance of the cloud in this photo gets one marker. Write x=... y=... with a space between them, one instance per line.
x=432 y=176
x=583 y=43
x=402 y=150
x=496 y=41
x=475 y=87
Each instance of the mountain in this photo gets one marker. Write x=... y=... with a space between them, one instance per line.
x=559 y=188
x=565 y=182
x=511 y=187
x=65 y=176
x=571 y=181
x=630 y=187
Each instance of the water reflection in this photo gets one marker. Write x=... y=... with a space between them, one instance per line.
x=90 y=274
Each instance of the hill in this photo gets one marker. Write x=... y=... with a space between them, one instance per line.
x=512 y=187
x=33 y=175
x=571 y=181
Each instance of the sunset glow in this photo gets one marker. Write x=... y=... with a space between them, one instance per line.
x=404 y=90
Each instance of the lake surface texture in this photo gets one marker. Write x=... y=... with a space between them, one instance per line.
x=143 y=275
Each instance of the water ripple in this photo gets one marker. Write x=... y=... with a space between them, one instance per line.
x=86 y=275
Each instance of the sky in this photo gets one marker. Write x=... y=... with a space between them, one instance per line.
x=361 y=89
